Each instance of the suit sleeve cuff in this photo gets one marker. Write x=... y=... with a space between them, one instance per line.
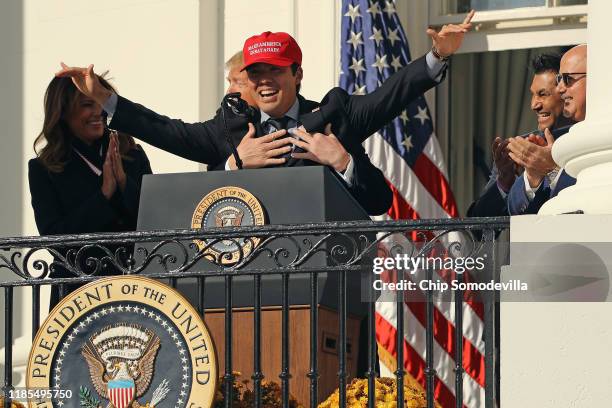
x=435 y=67
x=529 y=192
x=227 y=166
x=348 y=174
x=110 y=106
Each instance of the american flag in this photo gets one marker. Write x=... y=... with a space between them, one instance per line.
x=373 y=47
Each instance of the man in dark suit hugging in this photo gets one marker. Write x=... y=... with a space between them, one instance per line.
x=273 y=65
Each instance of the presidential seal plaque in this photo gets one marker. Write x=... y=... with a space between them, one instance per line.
x=123 y=342
x=228 y=207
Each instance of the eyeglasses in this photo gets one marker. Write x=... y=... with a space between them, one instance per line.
x=567 y=78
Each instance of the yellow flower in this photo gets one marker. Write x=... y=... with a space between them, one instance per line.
x=14 y=404
x=386 y=395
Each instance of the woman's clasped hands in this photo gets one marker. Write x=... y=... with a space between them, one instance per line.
x=113 y=175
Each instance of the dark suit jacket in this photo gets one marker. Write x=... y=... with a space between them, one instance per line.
x=71 y=202
x=491 y=203
x=519 y=204
x=206 y=143
x=353 y=119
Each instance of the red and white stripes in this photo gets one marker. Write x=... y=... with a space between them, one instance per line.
x=121 y=397
x=423 y=192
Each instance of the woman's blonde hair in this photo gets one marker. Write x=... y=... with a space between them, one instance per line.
x=61 y=98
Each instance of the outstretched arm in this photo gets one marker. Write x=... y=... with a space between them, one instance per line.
x=368 y=113
x=192 y=141
x=373 y=111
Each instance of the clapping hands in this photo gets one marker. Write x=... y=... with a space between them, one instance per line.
x=507 y=169
x=113 y=175
x=534 y=154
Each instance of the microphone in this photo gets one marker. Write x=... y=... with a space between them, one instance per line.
x=239 y=107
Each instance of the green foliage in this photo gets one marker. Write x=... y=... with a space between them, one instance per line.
x=87 y=400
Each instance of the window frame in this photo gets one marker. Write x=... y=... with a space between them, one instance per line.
x=549 y=11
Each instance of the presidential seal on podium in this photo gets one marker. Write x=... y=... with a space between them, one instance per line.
x=228 y=207
x=123 y=342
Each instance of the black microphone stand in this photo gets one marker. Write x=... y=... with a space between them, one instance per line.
x=238 y=106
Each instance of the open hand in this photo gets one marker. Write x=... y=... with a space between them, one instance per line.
x=321 y=148
x=507 y=169
x=448 y=40
x=86 y=81
x=257 y=152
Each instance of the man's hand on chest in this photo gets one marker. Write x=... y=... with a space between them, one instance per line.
x=256 y=152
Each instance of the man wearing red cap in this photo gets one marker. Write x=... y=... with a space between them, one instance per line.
x=273 y=65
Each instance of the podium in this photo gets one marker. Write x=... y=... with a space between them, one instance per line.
x=295 y=195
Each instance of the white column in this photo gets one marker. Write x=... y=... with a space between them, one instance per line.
x=554 y=344
x=586 y=151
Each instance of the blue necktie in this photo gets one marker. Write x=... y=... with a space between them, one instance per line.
x=279 y=124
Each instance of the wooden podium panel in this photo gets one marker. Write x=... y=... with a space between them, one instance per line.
x=299 y=347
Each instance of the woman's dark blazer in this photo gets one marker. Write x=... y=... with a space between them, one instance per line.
x=71 y=202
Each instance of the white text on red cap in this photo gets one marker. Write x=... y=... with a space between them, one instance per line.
x=271 y=46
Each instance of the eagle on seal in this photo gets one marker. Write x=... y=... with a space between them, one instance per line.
x=121 y=359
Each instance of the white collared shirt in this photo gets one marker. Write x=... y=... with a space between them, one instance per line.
x=552 y=182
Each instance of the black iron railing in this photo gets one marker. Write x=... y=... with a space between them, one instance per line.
x=340 y=248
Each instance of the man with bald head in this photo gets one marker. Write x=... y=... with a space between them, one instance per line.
x=572 y=82
x=537 y=186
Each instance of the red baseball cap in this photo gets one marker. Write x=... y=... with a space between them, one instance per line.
x=279 y=49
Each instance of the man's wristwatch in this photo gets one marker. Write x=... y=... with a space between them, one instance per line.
x=435 y=53
x=552 y=175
